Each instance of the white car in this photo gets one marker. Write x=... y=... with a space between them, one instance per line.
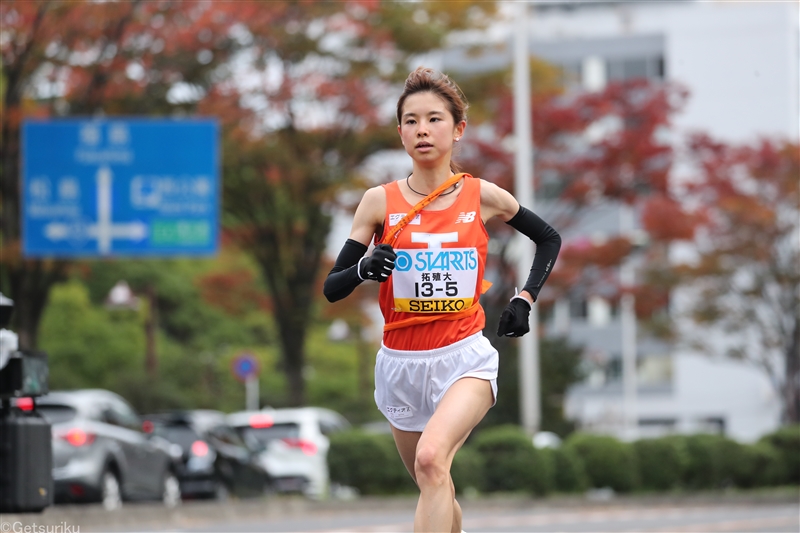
x=295 y=443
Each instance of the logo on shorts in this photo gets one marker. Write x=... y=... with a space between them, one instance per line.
x=399 y=412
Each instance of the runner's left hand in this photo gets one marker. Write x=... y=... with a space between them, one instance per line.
x=515 y=322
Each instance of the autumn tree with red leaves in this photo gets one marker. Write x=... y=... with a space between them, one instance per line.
x=300 y=90
x=606 y=147
x=93 y=59
x=745 y=280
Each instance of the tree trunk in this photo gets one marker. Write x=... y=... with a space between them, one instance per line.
x=292 y=333
x=292 y=295
x=151 y=329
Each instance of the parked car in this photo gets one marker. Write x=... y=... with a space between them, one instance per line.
x=101 y=452
x=215 y=460
x=295 y=445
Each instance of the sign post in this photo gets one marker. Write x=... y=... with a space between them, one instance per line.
x=120 y=187
x=245 y=368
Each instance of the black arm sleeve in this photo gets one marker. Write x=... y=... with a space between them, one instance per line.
x=548 y=244
x=343 y=277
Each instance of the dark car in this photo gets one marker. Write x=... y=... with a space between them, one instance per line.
x=101 y=452
x=215 y=461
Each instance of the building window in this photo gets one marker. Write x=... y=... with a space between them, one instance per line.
x=578 y=308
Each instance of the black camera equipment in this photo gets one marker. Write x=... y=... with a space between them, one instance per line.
x=26 y=457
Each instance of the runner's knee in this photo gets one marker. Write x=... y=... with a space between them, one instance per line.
x=430 y=466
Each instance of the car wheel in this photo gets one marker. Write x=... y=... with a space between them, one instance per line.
x=171 y=494
x=110 y=491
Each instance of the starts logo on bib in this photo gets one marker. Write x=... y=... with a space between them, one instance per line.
x=399 y=412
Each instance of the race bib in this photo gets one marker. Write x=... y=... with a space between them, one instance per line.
x=439 y=280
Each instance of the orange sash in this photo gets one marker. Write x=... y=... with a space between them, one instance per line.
x=391 y=235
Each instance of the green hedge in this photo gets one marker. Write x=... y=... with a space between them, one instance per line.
x=608 y=461
x=712 y=461
x=569 y=475
x=512 y=463
x=502 y=458
x=786 y=442
x=468 y=469
x=662 y=462
x=368 y=462
x=759 y=465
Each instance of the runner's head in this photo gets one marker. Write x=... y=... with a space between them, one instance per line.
x=428 y=97
x=428 y=80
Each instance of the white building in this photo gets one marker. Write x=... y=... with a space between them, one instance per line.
x=741 y=64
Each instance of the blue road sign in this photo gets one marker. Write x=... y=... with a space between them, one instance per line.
x=244 y=366
x=120 y=187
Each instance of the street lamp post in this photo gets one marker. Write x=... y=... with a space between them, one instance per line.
x=628 y=326
x=530 y=409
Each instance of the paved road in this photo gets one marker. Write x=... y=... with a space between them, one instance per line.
x=751 y=518
x=388 y=515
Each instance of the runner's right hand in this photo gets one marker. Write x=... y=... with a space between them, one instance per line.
x=379 y=265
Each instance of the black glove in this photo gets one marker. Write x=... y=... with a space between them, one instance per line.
x=515 y=322
x=379 y=265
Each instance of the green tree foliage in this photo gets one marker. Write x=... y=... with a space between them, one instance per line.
x=90 y=345
x=75 y=330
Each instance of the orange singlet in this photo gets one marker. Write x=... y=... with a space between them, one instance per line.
x=441 y=256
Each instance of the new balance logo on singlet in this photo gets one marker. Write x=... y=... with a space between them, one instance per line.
x=465 y=217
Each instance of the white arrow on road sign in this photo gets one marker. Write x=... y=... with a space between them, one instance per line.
x=104 y=230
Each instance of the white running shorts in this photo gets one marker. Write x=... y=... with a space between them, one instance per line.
x=410 y=384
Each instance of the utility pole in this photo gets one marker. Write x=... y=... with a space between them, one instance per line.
x=628 y=326
x=530 y=409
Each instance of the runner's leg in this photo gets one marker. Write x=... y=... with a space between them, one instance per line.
x=462 y=407
x=406 y=442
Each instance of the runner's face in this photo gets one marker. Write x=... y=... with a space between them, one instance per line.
x=427 y=129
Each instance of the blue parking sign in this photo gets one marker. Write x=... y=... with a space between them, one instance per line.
x=120 y=187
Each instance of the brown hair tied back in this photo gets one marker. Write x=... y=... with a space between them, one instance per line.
x=428 y=80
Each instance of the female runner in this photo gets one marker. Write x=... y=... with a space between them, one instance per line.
x=435 y=374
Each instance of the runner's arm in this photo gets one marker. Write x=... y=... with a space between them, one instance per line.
x=344 y=277
x=496 y=201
